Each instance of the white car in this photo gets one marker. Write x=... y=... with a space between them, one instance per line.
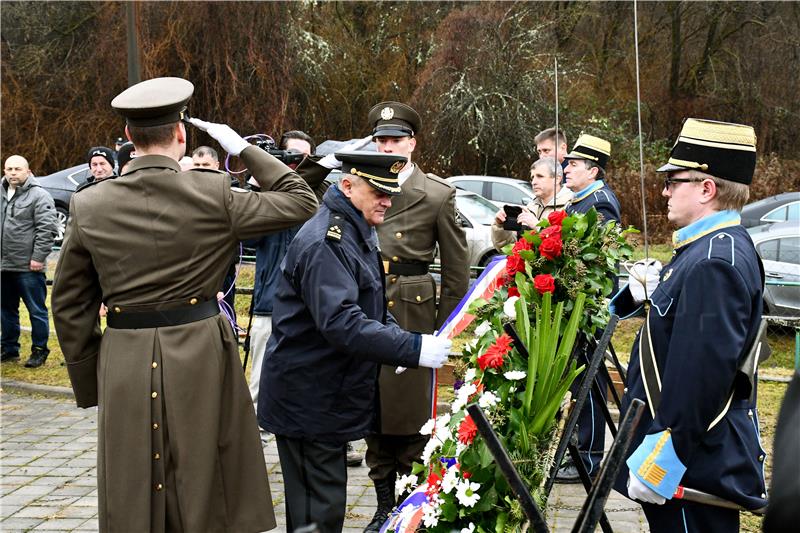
x=498 y=190
x=779 y=248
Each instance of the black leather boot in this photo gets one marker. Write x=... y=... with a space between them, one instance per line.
x=38 y=357
x=384 y=489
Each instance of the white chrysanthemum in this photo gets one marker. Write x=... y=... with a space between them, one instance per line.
x=460 y=447
x=515 y=375
x=427 y=427
x=462 y=397
x=469 y=377
x=482 y=328
x=405 y=484
x=508 y=307
x=469 y=529
x=431 y=446
x=430 y=514
x=450 y=480
x=488 y=399
x=467 y=493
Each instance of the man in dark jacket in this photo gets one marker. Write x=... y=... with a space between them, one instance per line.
x=331 y=332
x=28 y=221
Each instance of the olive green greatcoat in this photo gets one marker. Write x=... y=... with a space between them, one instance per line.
x=178 y=446
x=422 y=216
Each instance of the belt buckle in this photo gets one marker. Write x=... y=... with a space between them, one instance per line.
x=386 y=267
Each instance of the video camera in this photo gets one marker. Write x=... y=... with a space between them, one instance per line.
x=287 y=157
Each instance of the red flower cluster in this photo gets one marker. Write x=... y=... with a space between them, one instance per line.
x=513 y=291
x=551 y=242
x=434 y=484
x=493 y=358
x=544 y=283
x=515 y=263
x=466 y=432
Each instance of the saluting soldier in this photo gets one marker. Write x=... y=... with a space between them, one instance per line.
x=178 y=446
x=693 y=361
x=420 y=219
x=586 y=178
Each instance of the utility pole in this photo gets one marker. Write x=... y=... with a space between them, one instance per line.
x=134 y=73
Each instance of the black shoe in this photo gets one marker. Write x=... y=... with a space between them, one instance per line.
x=38 y=357
x=8 y=356
x=568 y=473
x=354 y=458
x=384 y=490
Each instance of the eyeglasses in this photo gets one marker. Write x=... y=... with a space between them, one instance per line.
x=669 y=181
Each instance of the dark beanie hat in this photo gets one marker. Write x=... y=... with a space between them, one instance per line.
x=124 y=155
x=108 y=153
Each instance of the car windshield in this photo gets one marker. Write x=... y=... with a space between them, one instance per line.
x=477 y=208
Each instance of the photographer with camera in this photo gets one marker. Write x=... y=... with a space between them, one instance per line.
x=546 y=178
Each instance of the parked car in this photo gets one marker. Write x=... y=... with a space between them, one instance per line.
x=61 y=185
x=499 y=190
x=779 y=208
x=779 y=247
x=477 y=214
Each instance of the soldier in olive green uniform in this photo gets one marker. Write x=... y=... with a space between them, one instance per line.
x=421 y=218
x=178 y=446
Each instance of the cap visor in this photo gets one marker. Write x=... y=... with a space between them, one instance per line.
x=390 y=133
x=669 y=167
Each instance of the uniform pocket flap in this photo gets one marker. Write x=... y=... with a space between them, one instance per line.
x=417 y=292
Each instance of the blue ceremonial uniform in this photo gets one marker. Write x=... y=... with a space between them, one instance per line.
x=591 y=424
x=597 y=195
x=703 y=317
x=331 y=330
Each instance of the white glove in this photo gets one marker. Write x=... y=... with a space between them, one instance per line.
x=434 y=351
x=643 y=279
x=230 y=141
x=330 y=161
x=639 y=491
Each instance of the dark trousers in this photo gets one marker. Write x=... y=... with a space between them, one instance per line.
x=31 y=287
x=688 y=517
x=315 y=483
x=390 y=455
x=591 y=424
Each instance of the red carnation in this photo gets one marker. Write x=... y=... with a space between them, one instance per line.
x=467 y=431
x=551 y=247
x=513 y=291
x=503 y=343
x=434 y=484
x=544 y=283
x=493 y=358
x=556 y=217
x=550 y=231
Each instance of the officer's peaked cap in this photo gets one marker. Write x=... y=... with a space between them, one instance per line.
x=393 y=119
x=379 y=170
x=154 y=102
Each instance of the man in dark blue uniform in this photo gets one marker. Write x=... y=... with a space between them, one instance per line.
x=585 y=177
x=692 y=362
x=331 y=331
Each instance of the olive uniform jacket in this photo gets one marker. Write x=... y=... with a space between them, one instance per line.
x=178 y=444
x=422 y=216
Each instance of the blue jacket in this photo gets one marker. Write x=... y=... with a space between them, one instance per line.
x=597 y=195
x=270 y=251
x=330 y=331
x=703 y=317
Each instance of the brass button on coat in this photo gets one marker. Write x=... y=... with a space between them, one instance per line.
x=154 y=395
x=395 y=259
x=155 y=426
x=117 y=310
x=159 y=486
x=393 y=280
x=193 y=301
x=399 y=235
x=156 y=456
x=390 y=304
x=419 y=298
x=155 y=365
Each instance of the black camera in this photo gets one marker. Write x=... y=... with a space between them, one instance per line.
x=287 y=157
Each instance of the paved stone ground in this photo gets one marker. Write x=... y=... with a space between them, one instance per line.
x=47 y=462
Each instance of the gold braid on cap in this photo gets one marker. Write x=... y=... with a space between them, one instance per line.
x=360 y=174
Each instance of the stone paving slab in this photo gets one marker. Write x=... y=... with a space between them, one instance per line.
x=47 y=462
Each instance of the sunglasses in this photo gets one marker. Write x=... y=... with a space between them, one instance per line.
x=669 y=181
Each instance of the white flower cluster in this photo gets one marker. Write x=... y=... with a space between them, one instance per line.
x=508 y=308
x=405 y=484
x=482 y=328
x=467 y=493
x=463 y=395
